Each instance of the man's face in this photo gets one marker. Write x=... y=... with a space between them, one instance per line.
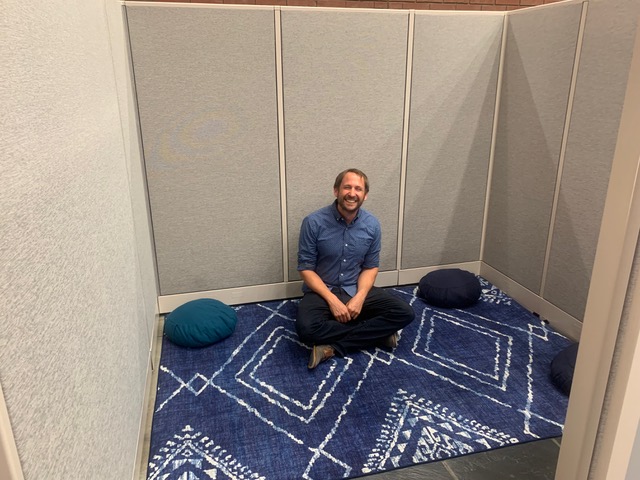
x=351 y=193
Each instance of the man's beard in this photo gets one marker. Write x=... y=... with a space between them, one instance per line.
x=349 y=207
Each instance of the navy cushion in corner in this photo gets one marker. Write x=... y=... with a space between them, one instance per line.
x=562 y=368
x=200 y=323
x=450 y=288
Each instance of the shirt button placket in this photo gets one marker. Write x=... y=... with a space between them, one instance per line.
x=344 y=253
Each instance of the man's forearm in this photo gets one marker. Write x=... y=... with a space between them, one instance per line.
x=315 y=283
x=366 y=280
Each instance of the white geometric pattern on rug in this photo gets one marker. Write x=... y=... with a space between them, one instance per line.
x=415 y=428
x=304 y=409
x=191 y=456
x=530 y=417
x=449 y=369
x=198 y=382
x=248 y=374
x=495 y=376
x=458 y=373
x=426 y=431
x=491 y=294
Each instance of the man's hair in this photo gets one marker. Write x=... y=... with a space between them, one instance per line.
x=360 y=173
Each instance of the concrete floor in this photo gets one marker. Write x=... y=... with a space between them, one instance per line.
x=534 y=460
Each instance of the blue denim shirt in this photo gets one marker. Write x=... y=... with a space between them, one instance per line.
x=338 y=252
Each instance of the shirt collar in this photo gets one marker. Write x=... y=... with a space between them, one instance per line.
x=338 y=216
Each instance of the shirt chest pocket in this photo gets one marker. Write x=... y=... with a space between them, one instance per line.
x=357 y=248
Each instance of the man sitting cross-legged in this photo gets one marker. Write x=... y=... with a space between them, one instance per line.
x=338 y=258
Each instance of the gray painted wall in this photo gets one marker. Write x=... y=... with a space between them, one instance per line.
x=75 y=264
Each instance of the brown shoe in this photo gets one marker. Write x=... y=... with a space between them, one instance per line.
x=391 y=341
x=320 y=353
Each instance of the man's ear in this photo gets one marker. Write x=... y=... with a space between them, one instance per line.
x=335 y=192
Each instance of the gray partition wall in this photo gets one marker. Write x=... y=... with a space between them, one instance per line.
x=248 y=113
x=539 y=60
x=206 y=90
x=605 y=58
x=344 y=83
x=453 y=91
x=77 y=276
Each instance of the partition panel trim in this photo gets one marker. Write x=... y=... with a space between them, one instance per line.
x=10 y=467
x=447 y=13
x=410 y=276
x=525 y=11
x=281 y=149
x=143 y=165
x=405 y=136
x=343 y=9
x=256 y=293
x=617 y=242
x=563 y=147
x=161 y=4
x=494 y=134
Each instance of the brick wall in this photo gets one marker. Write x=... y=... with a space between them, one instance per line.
x=398 y=4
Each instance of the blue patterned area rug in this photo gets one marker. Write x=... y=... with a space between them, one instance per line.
x=460 y=381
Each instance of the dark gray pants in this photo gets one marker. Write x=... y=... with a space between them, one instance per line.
x=382 y=314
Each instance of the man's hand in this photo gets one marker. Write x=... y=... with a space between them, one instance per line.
x=354 y=306
x=365 y=283
x=339 y=310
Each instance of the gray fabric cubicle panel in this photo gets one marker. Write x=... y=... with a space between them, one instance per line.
x=344 y=81
x=454 y=83
x=541 y=45
x=205 y=80
x=600 y=89
x=75 y=309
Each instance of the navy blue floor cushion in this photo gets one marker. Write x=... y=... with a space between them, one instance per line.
x=450 y=288
x=200 y=323
x=562 y=368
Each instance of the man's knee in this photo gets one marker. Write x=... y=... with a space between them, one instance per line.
x=406 y=314
x=305 y=331
x=309 y=325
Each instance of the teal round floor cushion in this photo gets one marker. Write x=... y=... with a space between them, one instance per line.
x=200 y=323
x=450 y=288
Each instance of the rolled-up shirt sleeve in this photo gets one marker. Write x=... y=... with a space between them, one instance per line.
x=372 y=257
x=307 y=247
